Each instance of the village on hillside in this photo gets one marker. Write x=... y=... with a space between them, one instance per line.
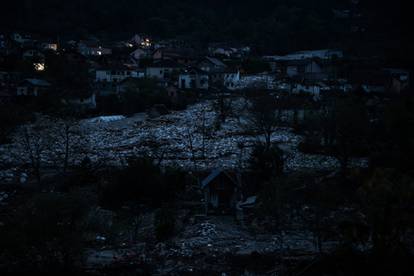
x=155 y=156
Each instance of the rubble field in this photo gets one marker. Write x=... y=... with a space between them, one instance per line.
x=187 y=139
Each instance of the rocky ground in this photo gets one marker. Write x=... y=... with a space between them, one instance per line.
x=215 y=245
x=188 y=139
x=179 y=139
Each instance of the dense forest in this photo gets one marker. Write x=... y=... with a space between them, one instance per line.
x=271 y=25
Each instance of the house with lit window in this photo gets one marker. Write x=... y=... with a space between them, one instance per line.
x=87 y=48
x=49 y=46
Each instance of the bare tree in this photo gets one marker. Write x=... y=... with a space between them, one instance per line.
x=49 y=141
x=199 y=132
x=202 y=129
x=156 y=149
x=70 y=141
x=33 y=142
x=223 y=107
x=264 y=117
x=189 y=137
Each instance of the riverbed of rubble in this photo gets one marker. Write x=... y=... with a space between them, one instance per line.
x=188 y=139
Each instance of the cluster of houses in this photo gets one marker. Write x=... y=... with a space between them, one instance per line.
x=327 y=70
x=113 y=66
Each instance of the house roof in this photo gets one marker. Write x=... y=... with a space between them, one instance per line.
x=215 y=173
x=211 y=177
x=176 y=52
x=37 y=82
x=215 y=61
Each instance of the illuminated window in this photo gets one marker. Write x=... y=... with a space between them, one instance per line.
x=39 y=67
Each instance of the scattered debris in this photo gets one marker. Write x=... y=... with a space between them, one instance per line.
x=187 y=139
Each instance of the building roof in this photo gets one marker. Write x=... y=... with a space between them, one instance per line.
x=396 y=71
x=215 y=61
x=213 y=175
x=176 y=52
x=322 y=54
x=37 y=82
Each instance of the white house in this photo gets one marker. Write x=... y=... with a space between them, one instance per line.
x=162 y=69
x=231 y=79
x=193 y=79
x=117 y=74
